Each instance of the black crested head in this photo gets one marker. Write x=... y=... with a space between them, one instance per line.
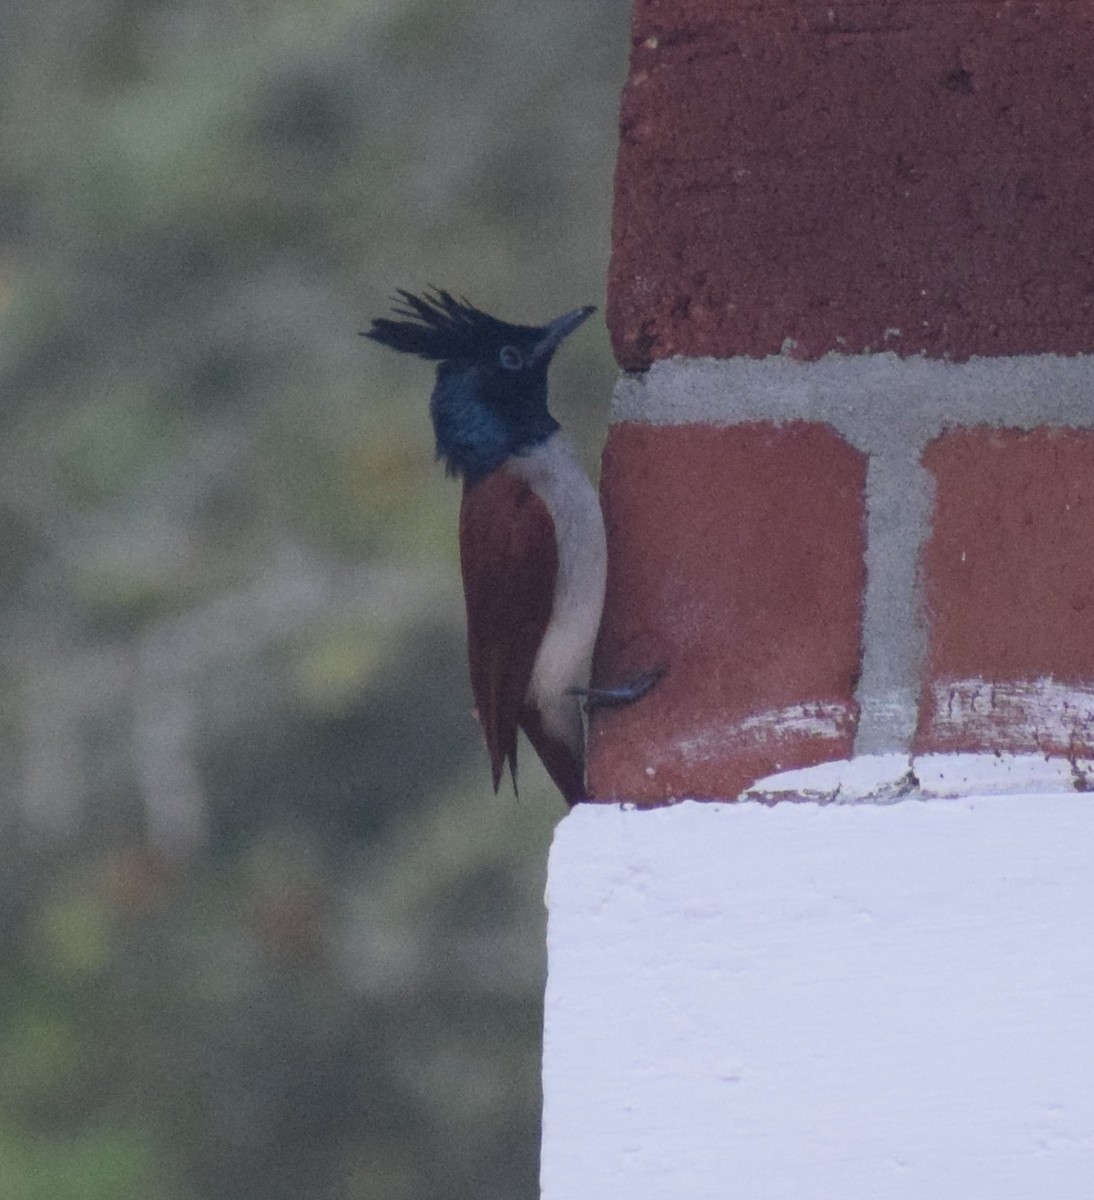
x=444 y=329
x=490 y=398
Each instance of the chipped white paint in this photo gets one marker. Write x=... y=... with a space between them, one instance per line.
x=820 y=719
x=1000 y=774
x=803 y=1001
x=823 y=720
x=881 y=778
x=1041 y=711
x=875 y=777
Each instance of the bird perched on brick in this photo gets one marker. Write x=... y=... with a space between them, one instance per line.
x=532 y=544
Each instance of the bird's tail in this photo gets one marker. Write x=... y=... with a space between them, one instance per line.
x=566 y=768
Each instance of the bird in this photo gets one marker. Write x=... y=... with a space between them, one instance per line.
x=533 y=551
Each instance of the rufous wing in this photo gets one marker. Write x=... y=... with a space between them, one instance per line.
x=509 y=559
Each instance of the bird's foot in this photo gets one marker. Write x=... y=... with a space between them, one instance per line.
x=626 y=693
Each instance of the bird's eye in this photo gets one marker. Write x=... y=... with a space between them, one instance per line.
x=510 y=358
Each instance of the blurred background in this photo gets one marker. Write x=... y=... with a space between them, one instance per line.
x=265 y=932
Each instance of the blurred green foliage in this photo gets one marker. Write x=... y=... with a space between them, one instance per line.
x=265 y=932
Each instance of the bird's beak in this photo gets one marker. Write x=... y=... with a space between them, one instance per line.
x=559 y=328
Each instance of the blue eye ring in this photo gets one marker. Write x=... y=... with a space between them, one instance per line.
x=510 y=358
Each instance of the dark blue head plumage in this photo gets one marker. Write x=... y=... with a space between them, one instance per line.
x=490 y=398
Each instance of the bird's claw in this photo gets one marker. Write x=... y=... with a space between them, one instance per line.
x=626 y=693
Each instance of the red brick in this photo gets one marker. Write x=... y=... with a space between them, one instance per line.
x=1009 y=577
x=735 y=557
x=855 y=176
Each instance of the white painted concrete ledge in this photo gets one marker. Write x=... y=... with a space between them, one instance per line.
x=803 y=1001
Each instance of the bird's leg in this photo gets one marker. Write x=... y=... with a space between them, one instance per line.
x=626 y=693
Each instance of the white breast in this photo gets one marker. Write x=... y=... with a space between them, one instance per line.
x=553 y=472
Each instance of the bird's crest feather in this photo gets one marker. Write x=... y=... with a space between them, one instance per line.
x=437 y=326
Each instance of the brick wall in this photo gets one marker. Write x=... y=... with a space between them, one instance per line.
x=849 y=485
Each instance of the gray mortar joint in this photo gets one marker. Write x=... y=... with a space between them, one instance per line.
x=889 y=408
